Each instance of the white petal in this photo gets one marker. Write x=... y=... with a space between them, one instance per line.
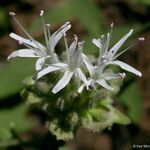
x=104 y=84
x=88 y=64
x=47 y=70
x=23 y=53
x=106 y=46
x=60 y=65
x=21 y=40
x=76 y=59
x=63 y=82
x=39 y=63
x=116 y=47
x=72 y=47
x=126 y=67
x=74 y=54
x=82 y=76
x=64 y=25
x=96 y=42
x=114 y=76
x=58 y=34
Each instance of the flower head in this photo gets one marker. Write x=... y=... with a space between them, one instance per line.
x=72 y=67
x=107 y=57
x=69 y=110
x=75 y=57
x=34 y=48
x=99 y=76
x=98 y=73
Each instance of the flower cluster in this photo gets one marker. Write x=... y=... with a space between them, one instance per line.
x=75 y=57
x=80 y=98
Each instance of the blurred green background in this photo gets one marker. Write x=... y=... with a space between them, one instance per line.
x=89 y=19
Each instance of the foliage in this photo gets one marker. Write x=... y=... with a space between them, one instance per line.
x=131 y=99
x=13 y=118
x=12 y=75
x=144 y=2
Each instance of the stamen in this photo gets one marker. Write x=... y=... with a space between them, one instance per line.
x=80 y=44
x=48 y=30
x=12 y=14
x=141 y=39
x=41 y=13
x=111 y=30
x=30 y=47
x=104 y=56
x=106 y=46
x=112 y=24
x=44 y=28
x=48 y=25
x=107 y=42
x=19 y=24
x=102 y=36
x=108 y=34
x=104 y=61
x=124 y=51
x=122 y=75
x=67 y=48
x=49 y=37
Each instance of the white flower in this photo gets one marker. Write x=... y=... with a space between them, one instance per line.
x=34 y=48
x=72 y=67
x=97 y=73
x=98 y=76
x=75 y=57
x=107 y=56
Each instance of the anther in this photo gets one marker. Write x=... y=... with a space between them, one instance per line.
x=47 y=25
x=122 y=75
x=112 y=24
x=12 y=13
x=41 y=13
x=141 y=38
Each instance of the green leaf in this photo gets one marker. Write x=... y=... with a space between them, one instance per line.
x=63 y=148
x=120 y=118
x=132 y=100
x=15 y=116
x=12 y=75
x=145 y=2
